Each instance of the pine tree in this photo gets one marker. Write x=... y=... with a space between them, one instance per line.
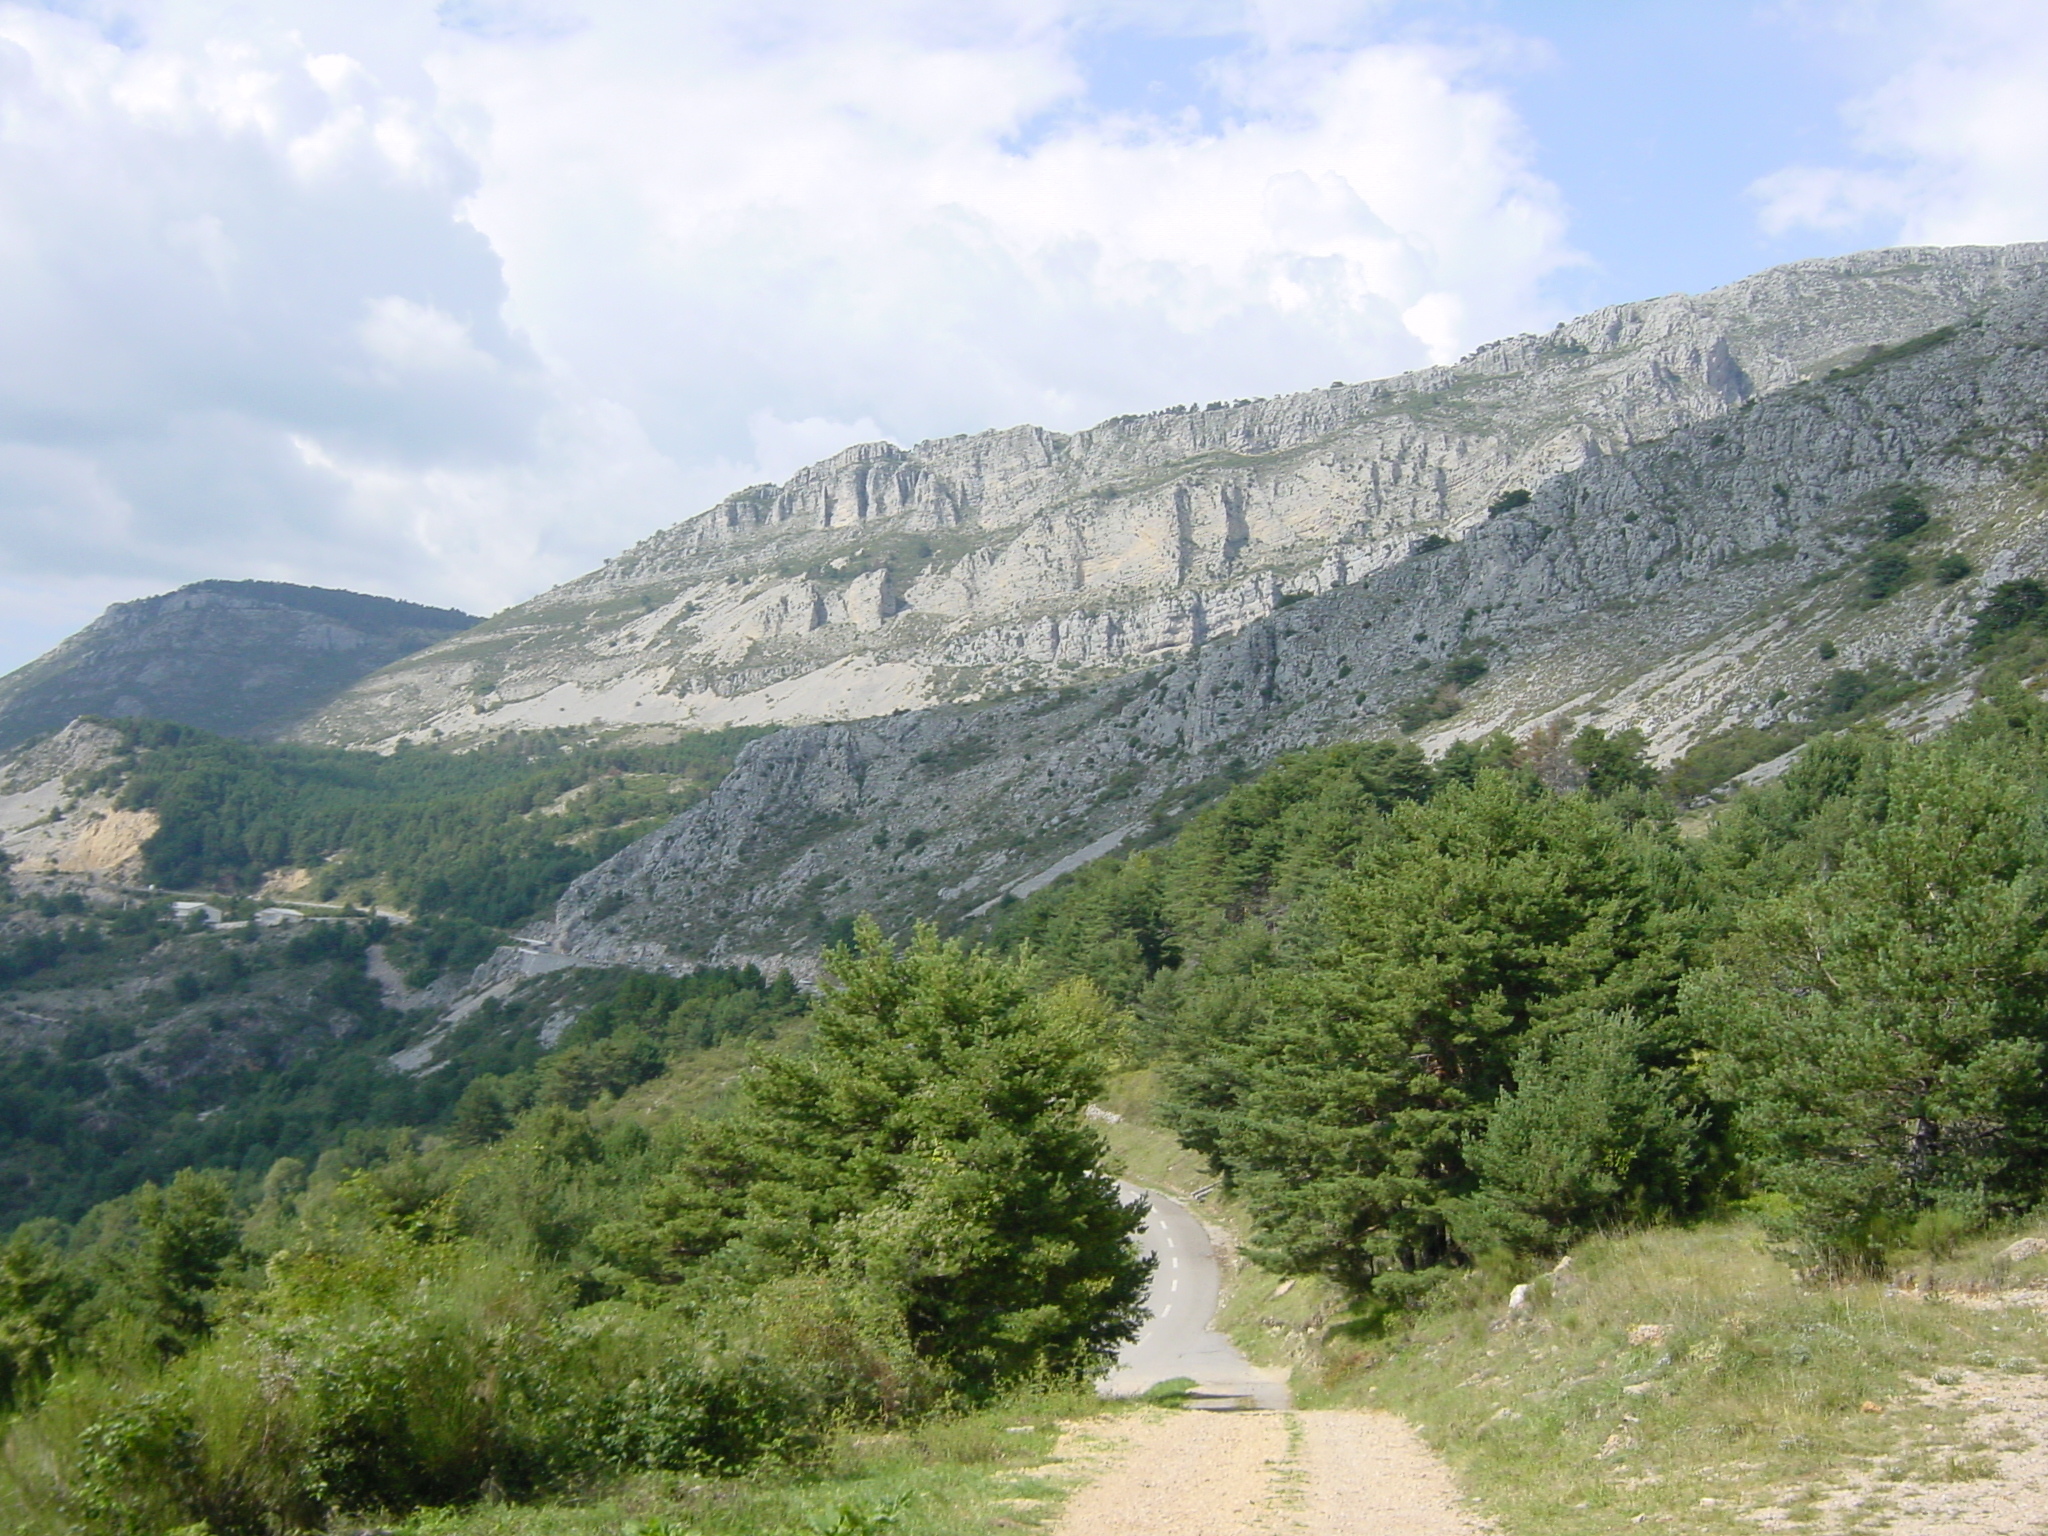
x=928 y=1148
x=1883 y=1029
x=1394 y=1020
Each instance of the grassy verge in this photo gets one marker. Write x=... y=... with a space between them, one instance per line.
x=1687 y=1377
x=984 y=1472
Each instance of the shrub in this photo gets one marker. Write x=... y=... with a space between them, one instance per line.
x=406 y=1376
x=1885 y=574
x=1590 y=1136
x=709 y=1415
x=1465 y=670
x=2013 y=605
x=1904 y=514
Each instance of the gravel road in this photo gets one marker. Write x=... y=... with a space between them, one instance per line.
x=1331 y=1473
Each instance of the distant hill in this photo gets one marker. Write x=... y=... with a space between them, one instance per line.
x=244 y=658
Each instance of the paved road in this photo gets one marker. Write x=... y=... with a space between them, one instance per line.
x=1177 y=1339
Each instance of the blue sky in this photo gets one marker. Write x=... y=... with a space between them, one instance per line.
x=453 y=301
x=1656 y=118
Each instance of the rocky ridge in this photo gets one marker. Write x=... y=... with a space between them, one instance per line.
x=888 y=578
x=1683 y=585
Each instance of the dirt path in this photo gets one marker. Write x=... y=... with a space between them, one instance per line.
x=1259 y=1474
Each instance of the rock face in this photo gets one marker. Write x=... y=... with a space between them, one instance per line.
x=889 y=578
x=51 y=825
x=245 y=658
x=1682 y=585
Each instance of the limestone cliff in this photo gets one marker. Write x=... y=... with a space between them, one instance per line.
x=1716 y=573
x=889 y=578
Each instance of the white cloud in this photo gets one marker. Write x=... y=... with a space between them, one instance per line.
x=453 y=303
x=1953 y=141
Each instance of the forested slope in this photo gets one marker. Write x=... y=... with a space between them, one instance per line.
x=1415 y=1013
x=135 y=1040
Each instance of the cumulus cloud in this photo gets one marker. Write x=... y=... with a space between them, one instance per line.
x=454 y=301
x=880 y=222
x=1952 y=142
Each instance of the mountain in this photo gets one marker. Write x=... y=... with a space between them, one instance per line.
x=887 y=578
x=245 y=658
x=1818 y=548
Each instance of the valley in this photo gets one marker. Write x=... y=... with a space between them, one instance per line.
x=1541 y=856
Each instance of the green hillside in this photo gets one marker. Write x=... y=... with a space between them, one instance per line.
x=489 y=836
x=1432 y=1023
x=246 y=658
x=136 y=1044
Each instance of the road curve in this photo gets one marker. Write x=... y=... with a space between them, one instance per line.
x=1178 y=1339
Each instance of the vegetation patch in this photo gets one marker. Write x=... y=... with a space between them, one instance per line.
x=897 y=1217
x=1685 y=1377
x=483 y=835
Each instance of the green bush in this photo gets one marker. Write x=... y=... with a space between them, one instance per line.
x=1904 y=514
x=1463 y=671
x=2012 y=606
x=1593 y=1135
x=710 y=1415
x=1886 y=573
x=382 y=1375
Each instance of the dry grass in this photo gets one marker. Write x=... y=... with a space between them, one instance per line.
x=1687 y=1377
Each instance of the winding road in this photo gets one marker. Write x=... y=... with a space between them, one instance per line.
x=1179 y=1339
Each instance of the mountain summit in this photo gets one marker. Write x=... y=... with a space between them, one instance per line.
x=244 y=658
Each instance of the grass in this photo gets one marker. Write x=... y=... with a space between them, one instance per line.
x=983 y=1472
x=1684 y=1376
x=1675 y=1377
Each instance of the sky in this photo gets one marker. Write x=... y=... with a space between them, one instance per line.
x=453 y=301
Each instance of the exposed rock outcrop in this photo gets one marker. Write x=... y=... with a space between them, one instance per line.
x=51 y=823
x=1680 y=585
x=889 y=578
